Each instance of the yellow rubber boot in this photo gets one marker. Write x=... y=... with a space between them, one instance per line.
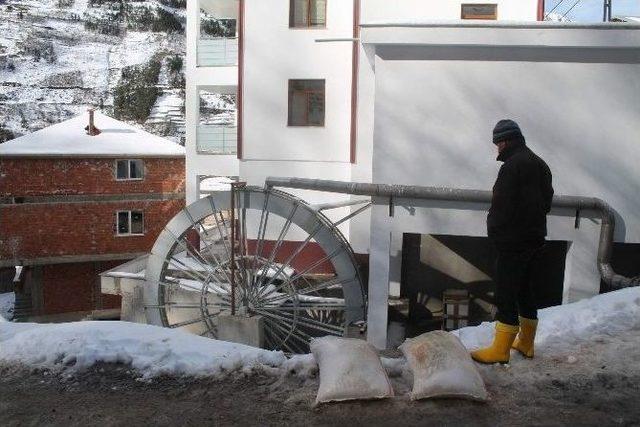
x=499 y=351
x=524 y=342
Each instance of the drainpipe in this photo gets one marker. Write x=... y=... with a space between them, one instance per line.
x=540 y=14
x=605 y=211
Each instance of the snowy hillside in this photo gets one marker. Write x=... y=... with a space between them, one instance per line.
x=59 y=56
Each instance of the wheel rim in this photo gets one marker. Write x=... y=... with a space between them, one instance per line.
x=299 y=297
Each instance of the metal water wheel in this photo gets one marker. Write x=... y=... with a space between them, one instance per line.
x=271 y=255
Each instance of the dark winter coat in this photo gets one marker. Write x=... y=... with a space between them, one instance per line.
x=522 y=196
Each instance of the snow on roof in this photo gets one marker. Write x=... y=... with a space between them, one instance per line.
x=216 y=183
x=70 y=139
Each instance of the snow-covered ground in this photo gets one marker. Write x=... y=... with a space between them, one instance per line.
x=7 y=302
x=150 y=350
x=154 y=351
x=561 y=327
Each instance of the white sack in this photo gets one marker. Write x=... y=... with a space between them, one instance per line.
x=442 y=367
x=349 y=369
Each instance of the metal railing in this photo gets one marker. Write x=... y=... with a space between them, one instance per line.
x=217 y=52
x=216 y=139
x=577 y=203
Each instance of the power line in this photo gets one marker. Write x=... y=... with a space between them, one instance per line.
x=554 y=8
x=574 y=5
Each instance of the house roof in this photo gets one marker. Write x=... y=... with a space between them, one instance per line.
x=70 y=139
x=627 y=18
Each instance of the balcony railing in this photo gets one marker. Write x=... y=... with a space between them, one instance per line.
x=215 y=139
x=217 y=52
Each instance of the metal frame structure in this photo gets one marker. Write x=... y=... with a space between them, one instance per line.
x=210 y=260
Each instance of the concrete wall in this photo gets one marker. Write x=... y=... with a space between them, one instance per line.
x=415 y=10
x=439 y=93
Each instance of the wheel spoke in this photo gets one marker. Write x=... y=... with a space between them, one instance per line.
x=306 y=307
x=215 y=217
x=293 y=256
x=307 y=290
x=313 y=266
x=194 y=321
x=278 y=244
x=209 y=247
x=304 y=321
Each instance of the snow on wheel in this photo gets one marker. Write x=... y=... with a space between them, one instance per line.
x=272 y=255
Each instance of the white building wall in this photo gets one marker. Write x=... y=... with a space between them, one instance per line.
x=275 y=53
x=405 y=11
x=216 y=79
x=437 y=98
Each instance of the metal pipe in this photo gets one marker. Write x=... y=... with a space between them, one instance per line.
x=335 y=205
x=605 y=211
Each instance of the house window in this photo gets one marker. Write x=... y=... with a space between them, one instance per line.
x=129 y=170
x=306 y=103
x=480 y=11
x=130 y=223
x=307 y=13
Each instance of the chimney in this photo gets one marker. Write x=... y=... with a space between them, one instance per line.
x=92 y=129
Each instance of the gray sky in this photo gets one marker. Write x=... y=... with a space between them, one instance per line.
x=591 y=10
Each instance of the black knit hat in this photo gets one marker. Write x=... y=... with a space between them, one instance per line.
x=506 y=130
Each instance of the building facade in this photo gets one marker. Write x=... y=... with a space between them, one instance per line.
x=406 y=93
x=266 y=95
x=73 y=205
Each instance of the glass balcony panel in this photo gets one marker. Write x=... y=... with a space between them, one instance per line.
x=216 y=52
x=215 y=139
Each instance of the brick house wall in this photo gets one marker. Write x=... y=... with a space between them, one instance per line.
x=58 y=217
x=62 y=229
x=21 y=177
x=67 y=288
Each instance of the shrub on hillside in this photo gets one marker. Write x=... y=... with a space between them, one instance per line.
x=136 y=92
x=39 y=49
x=178 y=4
x=144 y=18
x=213 y=27
x=5 y=134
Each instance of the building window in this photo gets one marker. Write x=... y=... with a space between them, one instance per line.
x=306 y=103
x=308 y=13
x=130 y=223
x=480 y=11
x=129 y=170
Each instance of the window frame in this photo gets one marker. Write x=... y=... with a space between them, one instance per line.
x=129 y=216
x=308 y=26
x=307 y=92
x=128 y=178
x=493 y=17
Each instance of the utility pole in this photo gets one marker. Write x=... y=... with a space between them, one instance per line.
x=606 y=15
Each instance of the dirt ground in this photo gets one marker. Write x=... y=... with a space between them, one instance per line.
x=597 y=384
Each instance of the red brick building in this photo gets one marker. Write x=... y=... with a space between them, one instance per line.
x=73 y=205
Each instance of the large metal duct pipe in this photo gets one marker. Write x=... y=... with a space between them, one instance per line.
x=605 y=211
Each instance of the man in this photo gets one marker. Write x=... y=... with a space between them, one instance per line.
x=517 y=226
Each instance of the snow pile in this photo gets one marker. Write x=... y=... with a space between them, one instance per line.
x=7 y=303
x=151 y=350
x=561 y=326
